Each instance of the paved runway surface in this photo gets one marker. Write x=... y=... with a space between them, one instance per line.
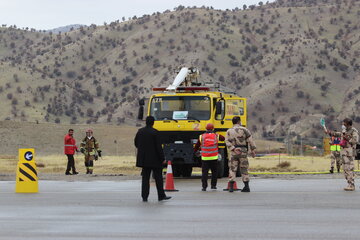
x=275 y=209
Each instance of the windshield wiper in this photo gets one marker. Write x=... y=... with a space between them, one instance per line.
x=194 y=118
x=169 y=119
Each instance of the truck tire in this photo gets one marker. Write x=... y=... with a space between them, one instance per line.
x=221 y=164
x=226 y=165
x=186 y=171
x=176 y=170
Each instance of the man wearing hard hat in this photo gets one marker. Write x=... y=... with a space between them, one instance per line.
x=90 y=148
x=208 y=142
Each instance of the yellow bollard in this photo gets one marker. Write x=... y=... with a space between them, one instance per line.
x=26 y=174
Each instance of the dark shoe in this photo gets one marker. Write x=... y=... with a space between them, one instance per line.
x=338 y=170
x=246 y=187
x=87 y=171
x=331 y=170
x=164 y=198
x=203 y=189
x=213 y=187
x=145 y=200
x=75 y=173
x=67 y=173
x=231 y=187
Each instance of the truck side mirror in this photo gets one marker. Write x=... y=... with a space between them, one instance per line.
x=142 y=102
x=218 y=108
x=141 y=109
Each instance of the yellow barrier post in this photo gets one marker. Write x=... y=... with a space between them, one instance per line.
x=26 y=174
x=326 y=142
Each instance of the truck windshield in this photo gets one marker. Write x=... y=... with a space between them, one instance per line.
x=180 y=108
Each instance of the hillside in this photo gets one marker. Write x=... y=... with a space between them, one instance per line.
x=295 y=61
x=65 y=28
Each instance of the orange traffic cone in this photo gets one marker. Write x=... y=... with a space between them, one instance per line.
x=235 y=187
x=169 y=183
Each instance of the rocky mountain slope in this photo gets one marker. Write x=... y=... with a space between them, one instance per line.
x=67 y=28
x=295 y=61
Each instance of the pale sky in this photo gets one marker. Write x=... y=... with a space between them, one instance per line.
x=49 y=14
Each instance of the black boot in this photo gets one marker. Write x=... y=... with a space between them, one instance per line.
x=332 y=170
x=231 y=186
x=246 y=187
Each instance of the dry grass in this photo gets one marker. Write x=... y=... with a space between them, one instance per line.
x=48 y=139
x=126 y=164
x=268 y=146
x=290 y=163
x=285 y=164
x=57 y=164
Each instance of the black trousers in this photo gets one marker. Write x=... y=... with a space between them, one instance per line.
x=145 y=186
x=70 y=163
x=206 y=165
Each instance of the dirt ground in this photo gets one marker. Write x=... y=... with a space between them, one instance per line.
x=115 y=168
x=54 y=164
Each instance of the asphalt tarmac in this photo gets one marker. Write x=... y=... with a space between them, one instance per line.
x=275 y=209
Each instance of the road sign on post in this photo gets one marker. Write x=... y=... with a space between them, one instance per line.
x=26 y=173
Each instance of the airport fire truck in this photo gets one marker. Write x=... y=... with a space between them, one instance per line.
x=181 y=112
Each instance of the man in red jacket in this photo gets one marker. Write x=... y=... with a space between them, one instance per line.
x=70 y=148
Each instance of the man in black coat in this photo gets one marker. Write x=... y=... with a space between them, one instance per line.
x=150 y=157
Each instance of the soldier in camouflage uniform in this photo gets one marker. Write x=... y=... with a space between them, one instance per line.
x=90 y=148
x=349 y=139
x=238 y=140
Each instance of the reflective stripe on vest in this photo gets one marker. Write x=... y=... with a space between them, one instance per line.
x=209 y=158
x=335 y=146
x=66 y=145
x=209 y=146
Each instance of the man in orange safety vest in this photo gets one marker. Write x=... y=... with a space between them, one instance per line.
x=208 y=142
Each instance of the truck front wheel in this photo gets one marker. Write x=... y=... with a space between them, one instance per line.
x=176 y=170
x=221 y=163
x=226 y=164
x=186 y=171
